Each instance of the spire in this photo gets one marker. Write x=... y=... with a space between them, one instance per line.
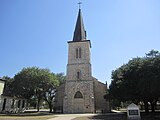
x=79 y=32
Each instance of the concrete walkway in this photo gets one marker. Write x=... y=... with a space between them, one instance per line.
x=69 y=116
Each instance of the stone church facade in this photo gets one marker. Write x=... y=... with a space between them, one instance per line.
x=81 y=93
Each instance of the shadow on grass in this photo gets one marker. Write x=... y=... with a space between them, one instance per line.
x=109 y=116
x=123 y=116
x=28 y=113
x=150 y=116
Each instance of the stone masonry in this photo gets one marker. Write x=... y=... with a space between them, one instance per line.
x=74 y=84
x=81 y=93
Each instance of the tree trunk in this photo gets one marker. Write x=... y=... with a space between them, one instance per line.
x=38 y=103
x=50 y=107
x=153 y=104
x=152 y=107
x=146 y=106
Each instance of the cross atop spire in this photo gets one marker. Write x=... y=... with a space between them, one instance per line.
x=79 y=32
x=80 y=5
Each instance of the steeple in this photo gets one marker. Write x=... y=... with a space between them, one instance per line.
x=79 y=32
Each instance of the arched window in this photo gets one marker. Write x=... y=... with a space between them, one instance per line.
x=78 y=75
x=78 y=95
x=78 y=52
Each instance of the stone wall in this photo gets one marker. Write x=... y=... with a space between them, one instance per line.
x=12 y=105
x=85 y=52
x=84 y=70
x=86 y=88
x=58 y=102
x=79 y=79
x=101 y=105
x=82 y=64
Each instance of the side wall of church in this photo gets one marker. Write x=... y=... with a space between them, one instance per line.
x=58 y=102
x=101 y=105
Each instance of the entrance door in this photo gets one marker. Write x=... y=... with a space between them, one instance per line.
x=78 y=106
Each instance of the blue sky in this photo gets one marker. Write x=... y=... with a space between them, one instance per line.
x=35 y=33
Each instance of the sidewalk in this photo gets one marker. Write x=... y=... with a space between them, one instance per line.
x=69 y=116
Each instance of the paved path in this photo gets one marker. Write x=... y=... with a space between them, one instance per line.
x=69 y=116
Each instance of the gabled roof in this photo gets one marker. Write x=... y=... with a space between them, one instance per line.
x=2 y=80
x=79 y=32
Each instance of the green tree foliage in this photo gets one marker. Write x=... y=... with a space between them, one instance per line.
x=51 y=91
x=34 y=84
x=33 y=81
x=138 y=80
x=60 y=77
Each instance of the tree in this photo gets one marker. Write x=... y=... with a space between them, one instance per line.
x=25 y=82
x=60 y=77
x=33 y=81
x=106 y=96
x=51 y=91
x=153 y=53
x=152 y=77
x=138 y=80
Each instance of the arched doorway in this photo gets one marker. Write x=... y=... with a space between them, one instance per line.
x=78 y=102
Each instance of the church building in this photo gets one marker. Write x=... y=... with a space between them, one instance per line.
x=81 y=92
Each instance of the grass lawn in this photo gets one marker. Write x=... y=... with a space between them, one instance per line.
x=27 y=116
x=115 y=116
x=104 y=117
x=46 y=115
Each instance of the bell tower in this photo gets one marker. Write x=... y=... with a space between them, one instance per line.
x=79 y=95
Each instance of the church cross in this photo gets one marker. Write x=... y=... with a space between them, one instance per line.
x=80 y=5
